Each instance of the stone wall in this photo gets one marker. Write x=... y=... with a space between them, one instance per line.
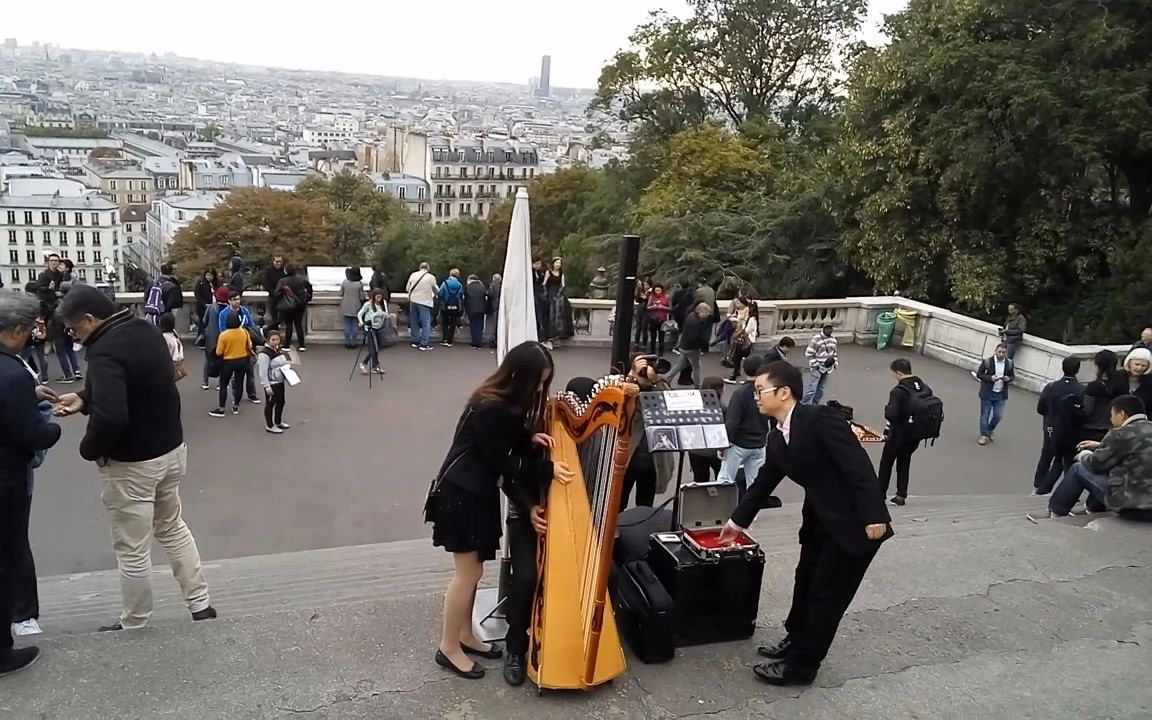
x=938 y=333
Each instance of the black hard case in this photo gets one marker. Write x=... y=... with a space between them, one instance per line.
x=645 y=612
x=716 y=592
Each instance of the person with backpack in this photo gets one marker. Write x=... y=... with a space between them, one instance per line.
x=451 y=298
x=291 y=297
x=913 y=415
x=1061 y=405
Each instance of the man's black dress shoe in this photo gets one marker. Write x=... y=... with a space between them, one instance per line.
x=514 y=669
x=14 y=660
x=474 y=673
x=492 y=653
x=781 y=672
x=778 y=651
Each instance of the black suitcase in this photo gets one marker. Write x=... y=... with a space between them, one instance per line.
x=716 y=590
x=645 y=612
x=633 y=529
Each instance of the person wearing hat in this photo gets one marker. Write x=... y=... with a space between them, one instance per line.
x=211 y=324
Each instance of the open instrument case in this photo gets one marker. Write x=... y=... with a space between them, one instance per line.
x=716 y=588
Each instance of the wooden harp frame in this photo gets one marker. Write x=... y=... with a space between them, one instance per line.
x=574 y=646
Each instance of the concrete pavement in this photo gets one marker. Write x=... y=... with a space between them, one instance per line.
x=355 y=466
x=969 y=612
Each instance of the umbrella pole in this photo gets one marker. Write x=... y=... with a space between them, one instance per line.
x=625 y=301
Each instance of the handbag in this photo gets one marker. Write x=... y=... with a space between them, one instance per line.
x=434 y=486
x=181 y=371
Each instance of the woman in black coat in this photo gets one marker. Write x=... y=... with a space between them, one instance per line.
x=493 y=450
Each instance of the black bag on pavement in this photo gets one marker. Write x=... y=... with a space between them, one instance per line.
x=645 y=612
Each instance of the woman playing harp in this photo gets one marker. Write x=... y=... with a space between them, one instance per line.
x=492 y=450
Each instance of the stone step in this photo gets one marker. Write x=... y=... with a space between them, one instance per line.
x=248 y=586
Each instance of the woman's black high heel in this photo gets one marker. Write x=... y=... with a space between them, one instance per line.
x=492 y=653
x=475 y=673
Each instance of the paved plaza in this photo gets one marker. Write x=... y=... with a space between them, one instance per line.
x=356 y=464
x=329 y=589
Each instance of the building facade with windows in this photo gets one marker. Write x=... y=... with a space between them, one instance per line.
x=408 y=189
x=171 y=214
x=468 y=178
x=86 y=230
x=125 y=182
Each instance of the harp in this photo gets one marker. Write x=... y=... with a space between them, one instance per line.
x=575 y=644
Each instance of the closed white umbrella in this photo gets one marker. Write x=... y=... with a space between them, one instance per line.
x=516 y=319
x=515 y=324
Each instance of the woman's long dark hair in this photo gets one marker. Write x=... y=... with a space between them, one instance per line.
x=516 y=383
x=378 y=293
x=1105 y=362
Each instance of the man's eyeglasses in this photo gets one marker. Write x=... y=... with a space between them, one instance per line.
x=757 y=392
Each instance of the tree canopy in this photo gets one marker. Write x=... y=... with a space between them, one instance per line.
x=990 y=152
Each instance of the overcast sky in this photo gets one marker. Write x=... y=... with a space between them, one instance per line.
x=447 y=39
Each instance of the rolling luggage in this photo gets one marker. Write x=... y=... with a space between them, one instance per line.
x=645 y=612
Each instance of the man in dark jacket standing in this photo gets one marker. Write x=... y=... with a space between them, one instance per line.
x=693 y=342
x=995 y=375
x=1061 y=405
x=900 y=443
x=136 y=439
x=747 y=430
x=845 y=519
x=476 y=305
x=24 y=432
x=272 y=276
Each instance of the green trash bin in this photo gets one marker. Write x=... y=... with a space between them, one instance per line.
x=885 y=324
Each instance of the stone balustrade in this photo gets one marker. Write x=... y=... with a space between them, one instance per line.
x=938 y=333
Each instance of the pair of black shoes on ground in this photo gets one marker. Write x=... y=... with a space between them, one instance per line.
x=513 y=664
x=779 y=670
x=208 y=613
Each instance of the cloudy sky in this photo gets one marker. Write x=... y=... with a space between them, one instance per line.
x=450 y=39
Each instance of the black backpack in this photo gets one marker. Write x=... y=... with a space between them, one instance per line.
x=925 y=415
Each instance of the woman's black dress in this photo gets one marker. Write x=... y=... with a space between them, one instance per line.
x=491 y=444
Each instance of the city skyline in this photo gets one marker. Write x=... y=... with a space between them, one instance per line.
x=463 y=51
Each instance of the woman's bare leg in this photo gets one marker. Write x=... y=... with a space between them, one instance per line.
x=458 y=606
x=467 y=636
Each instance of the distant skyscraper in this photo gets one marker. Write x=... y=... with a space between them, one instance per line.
x=545 y=88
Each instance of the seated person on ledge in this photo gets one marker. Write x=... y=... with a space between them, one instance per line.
x=1116 y=471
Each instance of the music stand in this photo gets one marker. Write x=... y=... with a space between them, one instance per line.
x=679 y=421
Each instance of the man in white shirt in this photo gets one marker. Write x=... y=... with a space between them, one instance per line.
x=995 y=374
x=421 y=288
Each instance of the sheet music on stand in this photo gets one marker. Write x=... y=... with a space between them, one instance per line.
x=681 y=420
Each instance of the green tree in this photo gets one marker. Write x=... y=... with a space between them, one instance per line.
x=208 y=133
x=998 y=151
x=255 y=222
x=738 y=59
x=358 y=214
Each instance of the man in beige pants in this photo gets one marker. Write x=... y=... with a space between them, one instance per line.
x=136 y=439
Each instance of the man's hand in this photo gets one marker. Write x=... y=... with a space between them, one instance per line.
x=68 y=404
x=1088 y=445
x=43 y=392
x=544 y=440
x=730 y=534
x=539 y=522
x=875 y=532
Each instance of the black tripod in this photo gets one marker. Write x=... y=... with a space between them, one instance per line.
x=363 y=353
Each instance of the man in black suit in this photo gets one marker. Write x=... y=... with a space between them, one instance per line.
x=844 y=519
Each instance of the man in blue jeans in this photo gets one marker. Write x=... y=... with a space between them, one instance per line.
x=747 y=429
x=1116 y=471
x=995 y=375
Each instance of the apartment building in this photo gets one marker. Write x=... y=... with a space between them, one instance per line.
x=83 y=228
x=171 y=214
x=125 y=182
x=470 y=177
x=408 y=189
